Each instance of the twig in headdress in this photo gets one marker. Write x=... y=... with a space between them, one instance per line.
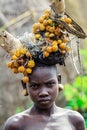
x=74 y=31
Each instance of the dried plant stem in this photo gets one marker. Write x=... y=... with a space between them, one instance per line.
x=15 y=20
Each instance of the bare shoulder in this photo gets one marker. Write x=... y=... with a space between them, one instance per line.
x=15 y=122
x=76 y=119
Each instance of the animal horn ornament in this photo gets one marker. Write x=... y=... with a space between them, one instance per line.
x=58 y=6
x=49 y=42
x=9 y=43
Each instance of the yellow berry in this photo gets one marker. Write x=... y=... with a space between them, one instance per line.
x=43 y=48
x=49 y=49
x=28 y=54
x=62 y=19
x=22 y=51
x=25 y=79
x=54 y=42
x=14 y=57
x=47 y=28
x=36 y=25
x=59 y=41
x=57 y=31
x=55 y=48
x=45 y=23
x=9 y=64
x=29 y=71
x=15 y=70
x=41 y=19
x=15 y=64
x=47 y=11
x=45 y=54
x=34 y=30
x=47 y=34
x=42 y=27
x=52 y=29
x=31 y=63
x=68 y=20
x=47 y=15
x=37 y=36
x=17 y=53
x=51 y=35
x=62 y=46
x=65 y=40
x=49 y=21
x=21 y=69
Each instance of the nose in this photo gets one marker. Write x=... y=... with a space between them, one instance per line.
x=43 y=92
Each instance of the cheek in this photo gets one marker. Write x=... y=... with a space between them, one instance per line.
x=32 y=95
x=55 y=92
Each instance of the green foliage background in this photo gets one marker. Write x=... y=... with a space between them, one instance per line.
x=76 y=93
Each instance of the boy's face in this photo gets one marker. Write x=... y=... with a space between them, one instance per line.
x=43 y=87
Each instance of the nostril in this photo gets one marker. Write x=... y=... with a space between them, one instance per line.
x=43 y=94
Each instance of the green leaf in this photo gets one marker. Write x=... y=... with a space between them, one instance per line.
x=18 y=110
x=76 y=94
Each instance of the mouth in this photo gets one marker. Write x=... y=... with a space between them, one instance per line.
x=44 y=101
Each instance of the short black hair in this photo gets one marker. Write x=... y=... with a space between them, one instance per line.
x=42 y=65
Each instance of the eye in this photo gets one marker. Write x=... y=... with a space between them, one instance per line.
x=34 y=86
x=50 y=84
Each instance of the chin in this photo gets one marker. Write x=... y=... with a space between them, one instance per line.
x=44 y=105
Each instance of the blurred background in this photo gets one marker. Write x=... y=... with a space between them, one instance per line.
x=17 y=17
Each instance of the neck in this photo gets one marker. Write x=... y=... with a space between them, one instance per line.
x=46 y=112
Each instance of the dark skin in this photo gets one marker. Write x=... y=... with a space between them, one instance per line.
x=44 y=114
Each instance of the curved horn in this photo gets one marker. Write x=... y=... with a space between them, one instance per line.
x=9 y=43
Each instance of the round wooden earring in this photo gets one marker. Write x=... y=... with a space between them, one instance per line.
x=60 y=87
x=25 y=92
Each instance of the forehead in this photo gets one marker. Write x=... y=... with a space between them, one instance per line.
x=43 y=73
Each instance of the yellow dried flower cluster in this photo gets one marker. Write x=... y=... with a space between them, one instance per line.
x=55 y=40
x=22 y=63
x=52 y=32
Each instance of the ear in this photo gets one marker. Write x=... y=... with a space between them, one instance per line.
x=59 y=78
x=25 y=92
x=60 y=86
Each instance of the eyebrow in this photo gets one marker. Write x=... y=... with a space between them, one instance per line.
x=49 y=80
x=34 y=83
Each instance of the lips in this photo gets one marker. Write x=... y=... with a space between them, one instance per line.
x=44 y=101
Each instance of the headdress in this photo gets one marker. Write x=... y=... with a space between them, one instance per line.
x=49 y=42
